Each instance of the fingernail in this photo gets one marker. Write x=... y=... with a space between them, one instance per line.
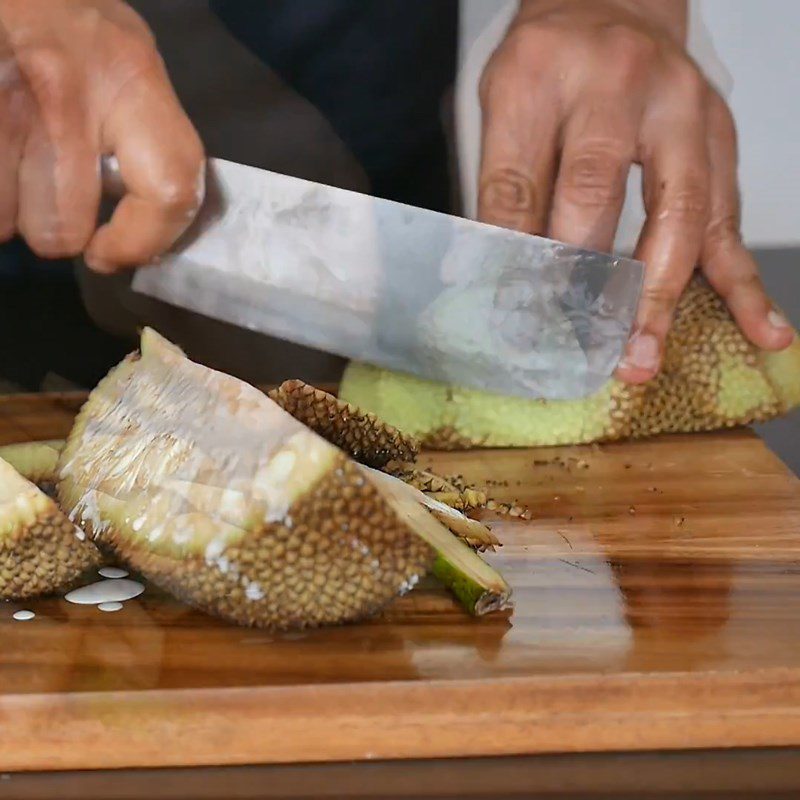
x=777 y=320
x=98 y=265
x=643 y=352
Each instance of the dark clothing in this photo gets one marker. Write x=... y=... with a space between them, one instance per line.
x=376 y=69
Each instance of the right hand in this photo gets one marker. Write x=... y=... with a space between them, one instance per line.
x=78 y=79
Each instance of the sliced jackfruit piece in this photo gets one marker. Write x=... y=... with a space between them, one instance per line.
x=361 y=435
x=474 y=533
x=209 y=489
x=479 y=588
x=35 y=461
x=41 y=551
x=712 y=377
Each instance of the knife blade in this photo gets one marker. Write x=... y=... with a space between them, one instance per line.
x=405 y=288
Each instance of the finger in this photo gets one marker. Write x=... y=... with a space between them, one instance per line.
x=599 y=147
x=58 y=181
x=676 y=197
x=518 y=155
x=13 y=122
x=730 y=268
x=161 y=162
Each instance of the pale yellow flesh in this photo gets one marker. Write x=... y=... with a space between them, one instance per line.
x=178 y=485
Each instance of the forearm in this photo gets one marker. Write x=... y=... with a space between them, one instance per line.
x=669 y=15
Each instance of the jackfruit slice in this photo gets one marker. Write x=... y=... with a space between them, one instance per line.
x=361 y=435
x=35 y=461
x=210 y=490
x=712 y=377
x=41 y=551
x=474 y=583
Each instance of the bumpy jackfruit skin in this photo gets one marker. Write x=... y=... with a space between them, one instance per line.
x=211 y=491
x=712 y=378
x=41 y=551
x=361 y=435
x=303 y=574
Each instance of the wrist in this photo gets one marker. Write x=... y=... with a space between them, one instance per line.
x=669 y=16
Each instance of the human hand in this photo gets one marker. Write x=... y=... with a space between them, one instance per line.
x=78 y=79
x=577 y=92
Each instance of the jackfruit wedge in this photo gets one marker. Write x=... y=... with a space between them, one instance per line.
x=712 y=378
x=35 y=461
x=209 y=489
x=41 y=551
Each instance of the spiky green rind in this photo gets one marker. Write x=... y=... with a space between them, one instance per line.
x=712 y=377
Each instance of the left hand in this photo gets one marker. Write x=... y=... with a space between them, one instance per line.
x=577 y=92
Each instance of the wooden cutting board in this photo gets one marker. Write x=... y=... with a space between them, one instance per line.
x=657 y=599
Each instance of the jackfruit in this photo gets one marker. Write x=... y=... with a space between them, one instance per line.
x=362 y=436
x=372 y=442
x=41 y=551
x=711 y=378
x=210 y=490
x=35 y=461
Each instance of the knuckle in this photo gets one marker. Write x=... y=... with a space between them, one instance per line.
x=487 y=84
x=507 y=190
x=724 y=230
x=630 y=45
x=687 y=79
x=720 y=120
x=135 y=56
x=178 y=194
x=137 y=51
x=182 y=190
x=530 y=43
x=47 y=72
x=595 y=177
x=661 y=297
x=687 y=203
x=56 y=241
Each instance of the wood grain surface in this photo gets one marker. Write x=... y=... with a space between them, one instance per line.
x=657 y=595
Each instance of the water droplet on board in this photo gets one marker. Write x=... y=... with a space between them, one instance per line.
x=116 y=606
x=23 y=615
x=112 y=572
x=114 y=590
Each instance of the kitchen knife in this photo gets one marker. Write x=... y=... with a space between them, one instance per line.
x=405 y=288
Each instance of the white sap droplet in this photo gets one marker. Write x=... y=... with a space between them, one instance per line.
x=137 y=524
x=79 y=534
x=107 y=591
x=254 y=591
x=23 y=615
x=214 y=550
x=115 y=606
x=112 y=572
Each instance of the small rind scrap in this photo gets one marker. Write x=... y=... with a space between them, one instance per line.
x=41 y=551
x=360 y=434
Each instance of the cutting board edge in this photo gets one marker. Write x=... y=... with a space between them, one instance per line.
x=400 y=720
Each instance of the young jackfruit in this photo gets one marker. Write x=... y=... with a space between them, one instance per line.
x=712 y=377
x=209 y=489
x=41 y=551
x=35 y=461
x=362 y=436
